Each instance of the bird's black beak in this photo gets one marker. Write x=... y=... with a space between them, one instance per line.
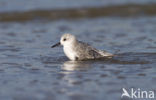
x=57 y=44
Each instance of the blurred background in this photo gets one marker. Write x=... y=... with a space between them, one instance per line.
x=31 y=70
x=21 y=10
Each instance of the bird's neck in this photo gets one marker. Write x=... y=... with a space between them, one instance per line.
x=71 y=45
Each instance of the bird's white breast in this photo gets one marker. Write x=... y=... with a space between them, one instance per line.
x=70 y=53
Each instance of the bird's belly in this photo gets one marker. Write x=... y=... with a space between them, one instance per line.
x=69 y=53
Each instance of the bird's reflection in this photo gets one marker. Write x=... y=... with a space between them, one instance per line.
x=76 y=65
x=72 y=70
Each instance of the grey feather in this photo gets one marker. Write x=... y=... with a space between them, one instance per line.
x=85 y=51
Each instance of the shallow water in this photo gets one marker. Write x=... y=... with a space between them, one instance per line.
x=31 y=70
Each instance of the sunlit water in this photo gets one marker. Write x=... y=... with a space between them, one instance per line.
x=31 y=70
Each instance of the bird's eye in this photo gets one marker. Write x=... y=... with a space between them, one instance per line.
x=64 y=39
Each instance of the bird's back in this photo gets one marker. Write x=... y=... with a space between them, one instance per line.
x=84 y=51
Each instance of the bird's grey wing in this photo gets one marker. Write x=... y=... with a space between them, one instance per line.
x=94 y=53
x=86 y=51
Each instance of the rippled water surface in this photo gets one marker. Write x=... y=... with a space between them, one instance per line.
x=31 y=70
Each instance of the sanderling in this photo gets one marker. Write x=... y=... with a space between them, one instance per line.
x=77 y=50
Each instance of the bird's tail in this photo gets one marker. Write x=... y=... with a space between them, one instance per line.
x=105 y=54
